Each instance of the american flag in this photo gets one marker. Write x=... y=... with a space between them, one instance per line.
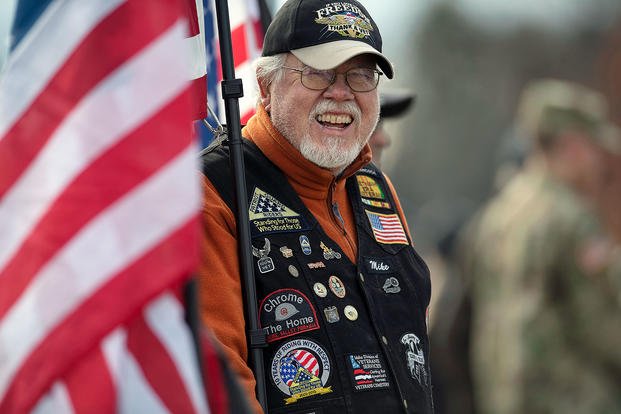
x=198 y=58
x=387 y=228
x=99 y=202
x=269 y=203
x=360 y=375
x=300 y=361
x=247 y=39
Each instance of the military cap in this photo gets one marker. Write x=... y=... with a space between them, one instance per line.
x=549 y=107
x=395 y=102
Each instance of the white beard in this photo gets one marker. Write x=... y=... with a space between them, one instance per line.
x=333 y=153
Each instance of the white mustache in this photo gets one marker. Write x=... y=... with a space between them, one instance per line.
x=331 y=106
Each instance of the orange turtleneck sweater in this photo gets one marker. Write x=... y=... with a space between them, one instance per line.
x=219 y=280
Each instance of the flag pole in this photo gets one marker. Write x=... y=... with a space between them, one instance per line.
x=232 y=90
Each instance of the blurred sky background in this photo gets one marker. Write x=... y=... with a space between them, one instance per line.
x=467 y=61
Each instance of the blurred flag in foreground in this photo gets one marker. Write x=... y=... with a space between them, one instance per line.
x=247 y=40
x=98 y=210
x=198 y=58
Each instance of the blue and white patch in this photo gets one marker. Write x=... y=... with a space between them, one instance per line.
x=305 y=245
x=287 y=312
x=367 y=372
x=300 y=369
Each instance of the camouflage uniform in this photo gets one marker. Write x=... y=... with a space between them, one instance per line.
x=545 y=285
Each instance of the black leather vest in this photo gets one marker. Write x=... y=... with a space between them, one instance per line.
x=342 y=337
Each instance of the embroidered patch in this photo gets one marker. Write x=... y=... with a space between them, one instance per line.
x=415 y=358
x=345 y=19
x=287 y=312
x=391 y=285
x=367 y=171
x=300 y=369
x=376 y=203
x=268 y=215
x=378 y=265
x=367 y=372
x=387 y=228
x=369 y=188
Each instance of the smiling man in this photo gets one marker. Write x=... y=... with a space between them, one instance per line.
x=342 y=294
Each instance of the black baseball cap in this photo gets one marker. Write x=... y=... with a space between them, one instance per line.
x=324 y=34
x=395 y=102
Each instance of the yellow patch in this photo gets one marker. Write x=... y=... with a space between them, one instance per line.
x=369 y=188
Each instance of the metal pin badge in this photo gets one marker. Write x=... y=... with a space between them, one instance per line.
x=320 y=290
x=332 y=314
x=328 y=253
x=286 y=252
x=305 y=245
x=350 y=313
x=265 y=263
x=316 y=265
x=336 y=286
x=293 y=271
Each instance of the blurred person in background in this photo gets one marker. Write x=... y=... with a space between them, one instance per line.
x=451 y=391
x=609 y=203
x=393 y=104
x=543 y=274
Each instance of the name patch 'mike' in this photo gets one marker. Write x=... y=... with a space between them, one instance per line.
x=378 y=264
x=287 y=312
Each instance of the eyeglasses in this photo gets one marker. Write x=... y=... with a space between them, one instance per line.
x=358 y=79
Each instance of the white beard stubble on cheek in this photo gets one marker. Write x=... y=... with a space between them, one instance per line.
x=330 y=152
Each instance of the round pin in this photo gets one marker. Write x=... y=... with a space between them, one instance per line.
x=350 y=313
x=336 y=286
x=293 y=271
x=320 y=290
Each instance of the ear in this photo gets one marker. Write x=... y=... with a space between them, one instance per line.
x=266 y=96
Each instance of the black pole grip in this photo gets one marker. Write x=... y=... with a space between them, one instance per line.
x=232 y=90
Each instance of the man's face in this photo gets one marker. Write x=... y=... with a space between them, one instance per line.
x=328 y=127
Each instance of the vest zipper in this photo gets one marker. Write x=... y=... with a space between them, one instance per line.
x=334 y=208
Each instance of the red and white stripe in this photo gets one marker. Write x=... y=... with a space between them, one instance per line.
x=308 y=361
x=99 y=200
x=198 y=57
x=247 y=40
x=390 y=230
